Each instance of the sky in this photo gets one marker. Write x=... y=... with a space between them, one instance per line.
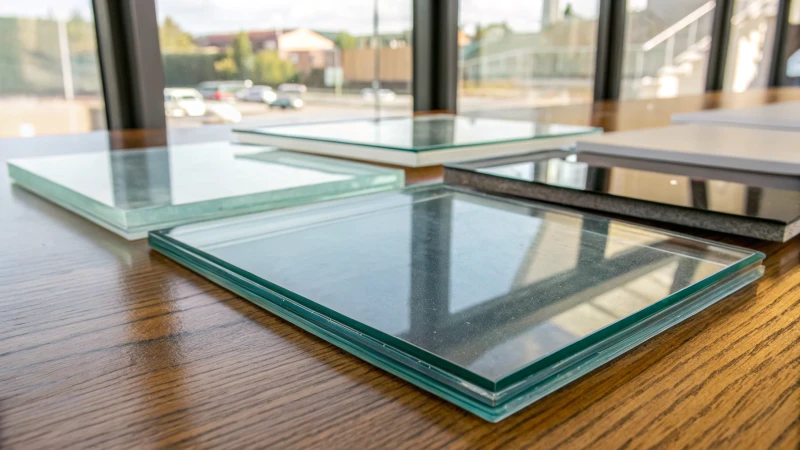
x=355 y=16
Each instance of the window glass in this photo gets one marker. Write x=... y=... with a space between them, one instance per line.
x=750 y=46
x=261 y=63
x=49 y=70
x=523 y=53
x=792 y=49
x=666 y=48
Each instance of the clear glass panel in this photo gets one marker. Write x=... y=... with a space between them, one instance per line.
x=750 y=46
x=666 y=48
x=526 y=53
x=133 y=191
x=49 y=72
x=490 y=303
x=422 y=133
x=261 y=63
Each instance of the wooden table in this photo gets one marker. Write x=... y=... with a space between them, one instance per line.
x=105 y=343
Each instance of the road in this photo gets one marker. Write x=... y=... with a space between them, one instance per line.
x=321 y=107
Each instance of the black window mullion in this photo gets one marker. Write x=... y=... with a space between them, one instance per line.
x=718 y=53
x=777 y=68
x=130 y=63
x=435 y=55
x=610 y=49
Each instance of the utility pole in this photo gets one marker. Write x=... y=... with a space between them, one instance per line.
x=376 y=82
x=66 y=62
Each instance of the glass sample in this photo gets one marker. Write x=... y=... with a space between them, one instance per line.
x=486 y=302
x=743 y=203
x=525 y=53
x=726 y=147
x=416 y=141
x=133 y=191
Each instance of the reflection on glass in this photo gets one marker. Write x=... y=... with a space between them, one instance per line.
x=259 y=63
x=490 y=286
x=49 y=72
x=525 y=53
x=569 y=171
x=750 y=45
x=666 y=48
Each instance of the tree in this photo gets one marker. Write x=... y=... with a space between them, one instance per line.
x=226 y=67
x=242 y=54
x=269 y=68
x=81 y=35
x=345 y=40
x=173 y=39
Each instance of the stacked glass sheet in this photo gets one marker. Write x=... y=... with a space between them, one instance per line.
x=487 y=302
x=417 y=141
x=133 y=191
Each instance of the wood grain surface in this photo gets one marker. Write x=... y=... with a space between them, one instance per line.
x=104 y=343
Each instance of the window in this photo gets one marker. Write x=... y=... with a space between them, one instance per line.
x=523 y=53
x=792 y=49
x=750 y=46
x=261 y=63
x=666 y=48
x=49 y=72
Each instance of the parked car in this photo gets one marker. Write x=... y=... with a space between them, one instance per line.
x=222 y=90
x=183 y=102
x=286 y=102
x=384 y=95
x=262 y=94
x=293 y=87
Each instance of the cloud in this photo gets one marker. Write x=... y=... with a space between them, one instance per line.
x=354 y=16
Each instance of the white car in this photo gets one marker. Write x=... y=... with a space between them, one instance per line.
x=183 y=102
x=261 y=94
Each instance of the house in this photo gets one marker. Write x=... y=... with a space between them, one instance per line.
x=306 y=49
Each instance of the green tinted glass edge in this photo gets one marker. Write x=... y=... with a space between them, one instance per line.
x=588 y=130
x=351 y=340
x=370 y=182
x=531 y=369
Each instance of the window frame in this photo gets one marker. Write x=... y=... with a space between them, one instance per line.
x=134 y=80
